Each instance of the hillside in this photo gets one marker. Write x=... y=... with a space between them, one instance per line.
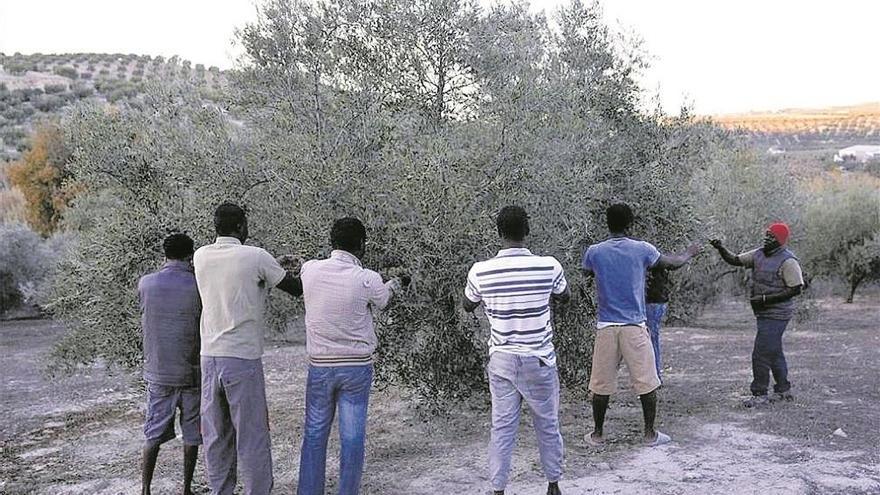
x=808 y=129
x=33 y=87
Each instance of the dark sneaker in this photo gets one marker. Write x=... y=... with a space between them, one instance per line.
x=553 y=489
x=781 y=396
x=756 y=401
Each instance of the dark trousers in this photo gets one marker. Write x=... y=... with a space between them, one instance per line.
x=767 y=357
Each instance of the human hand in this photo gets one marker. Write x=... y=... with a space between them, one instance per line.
x=717 y=244
x=290 y=262
x=694 y=249
x=399 y=273
x=757 y=302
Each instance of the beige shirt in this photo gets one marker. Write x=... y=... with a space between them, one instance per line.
x=340 y=296
x=791 y=269
x=234 y=281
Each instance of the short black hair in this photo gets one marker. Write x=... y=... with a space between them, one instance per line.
x=513 y=223
x=619 y=217
x=178 y=246
x=228 y=217
x=348 y=234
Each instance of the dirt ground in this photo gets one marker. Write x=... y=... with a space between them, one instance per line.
x=82 y=434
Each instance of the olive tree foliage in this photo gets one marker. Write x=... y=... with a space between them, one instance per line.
x=739 y=193
x=424 y=118
x=842 y=221
x=147 y=170
x=27 y=263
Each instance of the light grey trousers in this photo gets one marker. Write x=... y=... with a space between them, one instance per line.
x=512 y=380
x=235 y=425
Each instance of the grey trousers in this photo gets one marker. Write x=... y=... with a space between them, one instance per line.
x=512 y=379
x=235 y=425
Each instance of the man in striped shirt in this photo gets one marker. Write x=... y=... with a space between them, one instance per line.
x=516 y=288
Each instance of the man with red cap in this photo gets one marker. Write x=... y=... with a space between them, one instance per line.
x=776 y=280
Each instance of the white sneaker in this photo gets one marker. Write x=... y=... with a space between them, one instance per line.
x=662 y=438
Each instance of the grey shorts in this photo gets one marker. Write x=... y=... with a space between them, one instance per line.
x=162 y=402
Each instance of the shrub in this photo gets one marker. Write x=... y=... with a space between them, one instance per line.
x=842 y=237
x=26 y=110
x=83 y=91
x=30 y=93
x=14 y=113
x=12 y=206
x=68 y=72
x=41 y=177
x=26 y=262
x=49 y=103
x=54 y=88
x=13 y=135
x=19 y=67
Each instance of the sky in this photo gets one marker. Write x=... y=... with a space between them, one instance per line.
x=718 y=56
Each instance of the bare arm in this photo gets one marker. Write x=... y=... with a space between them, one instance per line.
x=291 y=284
x=726 y=255
x=676 y=261
x=469 y=305
x=563 y=298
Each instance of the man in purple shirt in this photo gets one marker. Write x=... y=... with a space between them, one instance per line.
x=170 y=311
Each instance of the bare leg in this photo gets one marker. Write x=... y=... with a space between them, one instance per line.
x=600 y=405
x=151 y=453
x=190 y=456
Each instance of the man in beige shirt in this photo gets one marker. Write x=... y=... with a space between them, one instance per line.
x=340 y=297
x=234 y=281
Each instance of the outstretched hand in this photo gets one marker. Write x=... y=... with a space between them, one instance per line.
x=694 y=249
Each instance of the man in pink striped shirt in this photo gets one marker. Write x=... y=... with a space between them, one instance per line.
x=340 y=298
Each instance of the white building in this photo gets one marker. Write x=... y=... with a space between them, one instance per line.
x=860 y=153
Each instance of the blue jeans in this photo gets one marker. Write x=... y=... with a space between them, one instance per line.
x=767 y=357
x=655 y=313
x=328 y=388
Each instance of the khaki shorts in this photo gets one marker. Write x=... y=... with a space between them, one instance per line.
x=630 y=343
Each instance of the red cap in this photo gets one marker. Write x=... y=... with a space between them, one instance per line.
x=780 y=232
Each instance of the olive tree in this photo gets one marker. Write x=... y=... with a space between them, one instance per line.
x=423 y=118
x=842 y=221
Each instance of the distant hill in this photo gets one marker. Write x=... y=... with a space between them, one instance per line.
x=34 y=87
x=808 y=129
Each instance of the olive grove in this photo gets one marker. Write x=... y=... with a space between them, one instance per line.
x=422 y=118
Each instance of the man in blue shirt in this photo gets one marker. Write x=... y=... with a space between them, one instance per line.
x=170 y=311
x=620 y=265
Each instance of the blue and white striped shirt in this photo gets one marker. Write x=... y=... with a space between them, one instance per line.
x=515 y=288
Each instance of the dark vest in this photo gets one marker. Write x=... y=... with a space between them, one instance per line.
x=767 y=279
